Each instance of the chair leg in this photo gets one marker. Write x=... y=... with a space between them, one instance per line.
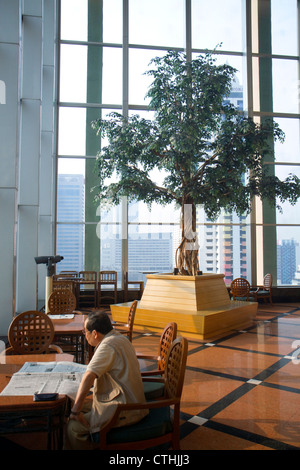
x=175 y=442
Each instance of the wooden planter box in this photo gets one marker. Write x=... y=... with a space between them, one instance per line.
x=198 y=304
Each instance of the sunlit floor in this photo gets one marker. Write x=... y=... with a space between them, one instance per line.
x=241 y=392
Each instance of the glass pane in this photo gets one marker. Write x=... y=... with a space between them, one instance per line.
x=71 y=132
x=111 y=257
x=112 y=75
x=112 y=21
x=288 y=256
x=70 y=245
x=157 y=23
x=140 y=213
x=74 y=19
x=216 y=22
x=225 y=246
x=70 y=190
x=289 y=151
x=151 y=249
x=109 y=232
x=142 y=113
x=73 y=70
x=105 y=67
x=284 y=27
x=290 y=214
x=239 y=92
x=285 y=86
x=139 y=60
x=110 y=222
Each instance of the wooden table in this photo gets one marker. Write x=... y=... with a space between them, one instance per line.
x=72 y=329
x=20 y=414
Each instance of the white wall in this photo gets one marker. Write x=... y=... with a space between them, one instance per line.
x=27 y=147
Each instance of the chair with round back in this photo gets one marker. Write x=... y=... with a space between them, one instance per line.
x=240 y=289
x=31 y=332
x=265 y=291
x=61 y=301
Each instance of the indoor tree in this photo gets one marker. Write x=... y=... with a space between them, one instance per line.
x=210 y=152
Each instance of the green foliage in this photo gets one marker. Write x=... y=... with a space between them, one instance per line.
x=210 y=153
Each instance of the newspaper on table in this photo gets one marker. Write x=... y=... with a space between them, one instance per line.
x=62 y=316
x=46 y=377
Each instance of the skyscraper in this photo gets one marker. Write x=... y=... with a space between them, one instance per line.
x=70 y=234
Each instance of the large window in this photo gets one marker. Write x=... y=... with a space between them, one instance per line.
x=105 y=48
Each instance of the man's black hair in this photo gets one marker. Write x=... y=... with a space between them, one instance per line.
x=99 y=321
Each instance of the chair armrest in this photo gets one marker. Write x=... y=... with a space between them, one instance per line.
x=148 y=373
x=134 y=406
x=6 y=351
x=153 y=379
x=115 y=323
x=55 y=348
x=146 y=356
x=120 y=328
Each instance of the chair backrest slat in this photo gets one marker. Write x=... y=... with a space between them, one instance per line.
x=167 y=337
x=175 y=367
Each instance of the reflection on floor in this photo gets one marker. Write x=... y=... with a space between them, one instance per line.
x=242 y=391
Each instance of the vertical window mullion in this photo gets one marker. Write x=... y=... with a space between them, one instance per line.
x=125 y=80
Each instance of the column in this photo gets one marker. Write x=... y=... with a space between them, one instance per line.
x=10 y=21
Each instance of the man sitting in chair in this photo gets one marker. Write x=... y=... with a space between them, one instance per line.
x=115 y=374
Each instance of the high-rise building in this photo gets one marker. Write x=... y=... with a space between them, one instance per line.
x=287 y=262
x=70 y=236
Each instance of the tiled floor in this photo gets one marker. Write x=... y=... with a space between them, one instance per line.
x=242 y=392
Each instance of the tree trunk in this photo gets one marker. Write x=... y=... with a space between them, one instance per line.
x=186 y=257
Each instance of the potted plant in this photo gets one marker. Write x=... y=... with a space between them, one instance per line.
x=211 y=152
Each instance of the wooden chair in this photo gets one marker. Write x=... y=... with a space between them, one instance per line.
x=62 y=301
x=159 y=426
x=264 y=291
x=86 y=285
x=70 y=274
x=155 y=389
x=107 y=278
x=66 y=276
x=65 y=280
x=240 y=290
x=63 y=284
x=127 y=328
x=139 y=284
x=31 y=332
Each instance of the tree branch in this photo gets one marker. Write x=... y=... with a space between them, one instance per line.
x=155 y=186
x=200 y=171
